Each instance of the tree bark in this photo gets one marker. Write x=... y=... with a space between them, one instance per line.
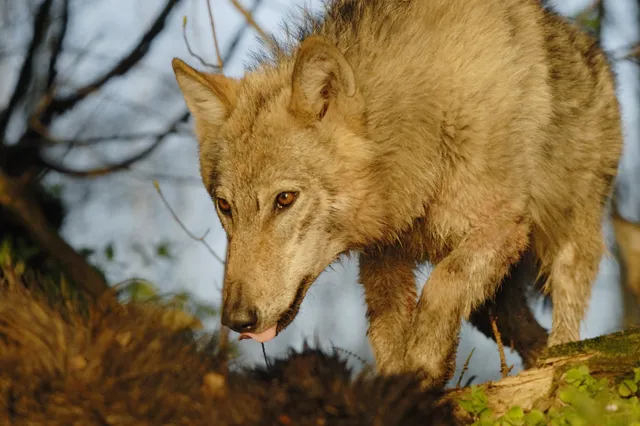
x=17 y=200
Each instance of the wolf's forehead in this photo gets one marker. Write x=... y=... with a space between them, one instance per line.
x=261 y=105
x=262 y=165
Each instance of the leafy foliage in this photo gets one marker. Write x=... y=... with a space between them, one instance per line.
x=581 y=400
x=181 y=306
x=17 y=258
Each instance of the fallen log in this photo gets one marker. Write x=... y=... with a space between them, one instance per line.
x=610 y=357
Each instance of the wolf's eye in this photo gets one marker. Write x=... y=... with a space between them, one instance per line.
x=224 y=206
x=285 y=199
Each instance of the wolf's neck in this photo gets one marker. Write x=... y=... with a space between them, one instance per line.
x=392 y=189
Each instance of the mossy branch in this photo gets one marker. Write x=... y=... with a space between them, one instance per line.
x=610 y=357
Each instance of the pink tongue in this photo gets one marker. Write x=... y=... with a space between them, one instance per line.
x=265 y=336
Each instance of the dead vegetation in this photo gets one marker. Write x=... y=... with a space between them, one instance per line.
x=140 y=364
x=115 y=363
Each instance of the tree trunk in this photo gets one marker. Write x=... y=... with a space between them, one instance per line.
x=85 y=276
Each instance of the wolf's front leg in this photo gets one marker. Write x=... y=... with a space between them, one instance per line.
x=390 y=293
x=462 y=281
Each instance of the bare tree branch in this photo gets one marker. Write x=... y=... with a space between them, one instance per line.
x=248 y=15
x=34 y=135
x=60 y=105
x=184 y=228
x=101 y=171
x=57 y=47
x=26 y=71
x=235 y=41
x=504 y=368
x=28 y=212
x=465 y=367
x=191 y=51
x=96 y=140
x=249 y=22
x=215 y=35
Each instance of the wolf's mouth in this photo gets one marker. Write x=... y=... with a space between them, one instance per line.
x=288 y=316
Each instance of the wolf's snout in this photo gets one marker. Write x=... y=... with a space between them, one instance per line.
x=241 y=320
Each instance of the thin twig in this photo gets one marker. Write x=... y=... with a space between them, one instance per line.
x=350 y=353
x=57 y=46
x=601 y=17
x=465 y=367
x=264 y=354
x=191 y=51
x=102 y=171
x=95 y=140
x=59 y=106
x=215 y=36
x=248 y=15
x=504 y=368
x=468 y=382
x=184 y=228
x=26 y=70
x=235 y=41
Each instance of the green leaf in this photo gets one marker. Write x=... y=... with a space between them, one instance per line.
x=20 y=268
x=515 y=413
x=25 y=251
x=534 y=418
x=205 y=311
x=86 y=251
x=513 y=417
x=476 y=403
x=5 y=251
x=55 y=189
x=109 y=251
x=140 y=291
x=627 y=388
x=486 y=418
x=180 y=300
x=162 y=250
x=636 y=377
x=467 y=405
x=574 y=419
x=568 y=395
x=575 y=376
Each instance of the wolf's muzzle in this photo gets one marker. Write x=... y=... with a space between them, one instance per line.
x=241 y=320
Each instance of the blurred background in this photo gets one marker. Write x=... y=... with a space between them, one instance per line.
x=91 y=116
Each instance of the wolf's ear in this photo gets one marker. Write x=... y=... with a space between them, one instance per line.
x=321 y=74
x=209 y=97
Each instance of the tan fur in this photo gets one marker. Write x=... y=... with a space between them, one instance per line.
x=467 y=133
x=628 y=253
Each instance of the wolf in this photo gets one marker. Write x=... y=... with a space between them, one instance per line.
x=481 y=136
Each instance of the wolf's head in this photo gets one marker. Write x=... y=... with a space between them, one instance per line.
x=283 y=155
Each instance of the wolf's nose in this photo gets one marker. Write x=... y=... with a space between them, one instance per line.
x=240 y=320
